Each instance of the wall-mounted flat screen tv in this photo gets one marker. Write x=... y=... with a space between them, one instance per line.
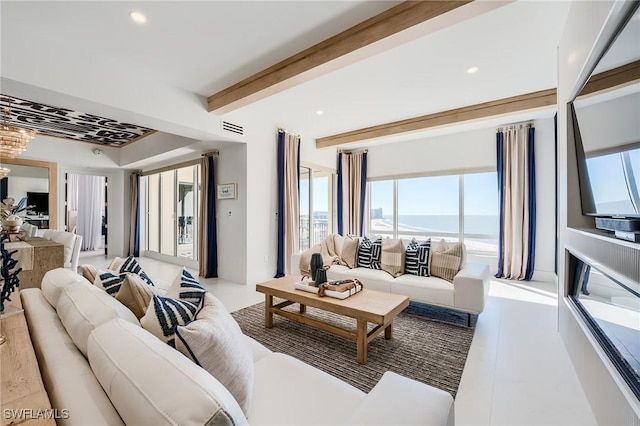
x=38 y=202
x=607 y=130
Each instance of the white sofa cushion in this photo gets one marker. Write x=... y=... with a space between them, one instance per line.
x=67 y=377
x=83 y=307
x=287 y=391
x=397 y=400
x=215 y=342
x=432 y=290
x=371 y=278
x=150 y=383
x=56 y=280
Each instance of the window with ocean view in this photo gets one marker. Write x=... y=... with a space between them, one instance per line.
x=454 y=207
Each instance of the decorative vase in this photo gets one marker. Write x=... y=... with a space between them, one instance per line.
x=315 y=264
x=12 y=223
x=321 y=276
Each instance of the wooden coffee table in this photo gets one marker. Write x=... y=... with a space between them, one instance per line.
x=367 y=306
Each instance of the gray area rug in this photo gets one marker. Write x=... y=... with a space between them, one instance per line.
x=429 y=345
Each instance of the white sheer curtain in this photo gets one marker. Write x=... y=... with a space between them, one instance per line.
x=90 y=211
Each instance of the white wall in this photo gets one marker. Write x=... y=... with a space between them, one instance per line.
x=231 y=215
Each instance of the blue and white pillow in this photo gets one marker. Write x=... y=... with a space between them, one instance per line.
x=131 y=265
x=369 y=253
x=109 y=281
x=164 y=314
x=185 y=287
x=417 y=258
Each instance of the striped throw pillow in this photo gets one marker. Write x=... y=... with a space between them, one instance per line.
x=446 y=260
x=392 y=257
x=369 y=253
x=417 y=258
x=164 y=314
x=131 y=265
x=185 y=287
x=109 y=281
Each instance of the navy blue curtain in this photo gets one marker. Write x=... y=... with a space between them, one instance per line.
x=532 y=205
x=211 y=237
x=134 y=240
x=530 y=202
x=363 y=192
x=340 y=206
x=281 y=243
x=500 y=173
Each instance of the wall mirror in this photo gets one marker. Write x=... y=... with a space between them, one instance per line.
x=36 y=180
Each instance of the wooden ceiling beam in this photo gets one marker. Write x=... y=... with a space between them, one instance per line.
x=372 y=36
x=529 y=101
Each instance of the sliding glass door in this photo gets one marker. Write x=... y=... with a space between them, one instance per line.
x=171 y=203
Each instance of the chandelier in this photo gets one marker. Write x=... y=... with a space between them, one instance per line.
x=13 y=140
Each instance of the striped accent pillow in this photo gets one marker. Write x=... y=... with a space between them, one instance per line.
x=369 y=253
x=164 y=314
x=417 y=258
x=446 y=260
x=109 y=281
x=131 y=264
x=392 y=257
x=185 y=287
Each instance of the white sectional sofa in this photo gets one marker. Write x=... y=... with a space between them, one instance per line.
x=467 y=293
x=129 y=376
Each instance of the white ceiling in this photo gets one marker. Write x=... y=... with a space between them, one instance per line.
x=158 y=75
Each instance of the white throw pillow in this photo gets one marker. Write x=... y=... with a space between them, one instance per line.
x=150 y=383
x=83 y=307
x=215 y=342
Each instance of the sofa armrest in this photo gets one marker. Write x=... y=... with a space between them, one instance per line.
x=471 y=287
x=397 y=400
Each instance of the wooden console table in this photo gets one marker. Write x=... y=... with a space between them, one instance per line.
x=23 y=399
x=47 y=255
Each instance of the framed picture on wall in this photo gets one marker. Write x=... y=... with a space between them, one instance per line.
x=227 y=191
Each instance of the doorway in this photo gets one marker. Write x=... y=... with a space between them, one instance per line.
x=86 y=211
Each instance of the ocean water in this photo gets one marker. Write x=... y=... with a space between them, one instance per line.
x=473 y=224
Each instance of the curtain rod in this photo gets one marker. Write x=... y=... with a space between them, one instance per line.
x=527 y=123
x=283 y=130
x=353 y=151
x=214 y=153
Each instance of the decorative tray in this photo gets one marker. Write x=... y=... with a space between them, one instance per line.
x=305 y=286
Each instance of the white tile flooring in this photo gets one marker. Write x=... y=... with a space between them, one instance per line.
x=517 y=372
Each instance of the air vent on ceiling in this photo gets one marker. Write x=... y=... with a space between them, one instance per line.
x=234 y=128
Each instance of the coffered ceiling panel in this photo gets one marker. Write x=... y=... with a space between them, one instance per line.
x=64 y=123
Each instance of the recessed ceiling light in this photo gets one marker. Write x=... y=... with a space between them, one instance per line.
x=319 y=112
x=472 y=70
x=138 y=17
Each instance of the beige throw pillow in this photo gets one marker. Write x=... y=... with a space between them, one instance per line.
x=350 y=251
x=446 y=260
x=215 y=342
x=392 y=258
x=90 y=272
x=136 y=294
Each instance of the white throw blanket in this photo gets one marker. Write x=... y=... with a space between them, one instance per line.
x=330 y=254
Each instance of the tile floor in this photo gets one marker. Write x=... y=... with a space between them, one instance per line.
x=518 y=371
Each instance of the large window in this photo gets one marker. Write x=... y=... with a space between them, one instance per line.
x=171 y=202
x=316 y=205
x=454 y=207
